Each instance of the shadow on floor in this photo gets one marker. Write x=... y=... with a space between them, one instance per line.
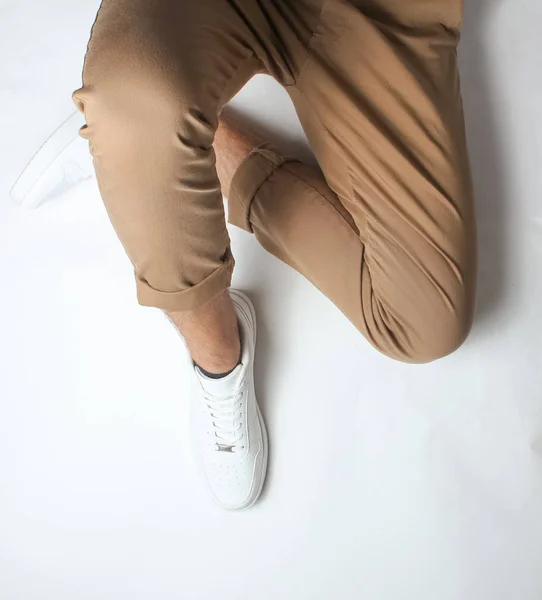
x=488 y=160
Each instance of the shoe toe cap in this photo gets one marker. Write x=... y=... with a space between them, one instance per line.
x=236 y=485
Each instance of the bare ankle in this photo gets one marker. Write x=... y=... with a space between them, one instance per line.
x=217 y=365
x=211 y=333
x=231 y=148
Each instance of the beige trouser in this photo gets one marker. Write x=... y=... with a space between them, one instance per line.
x=386 y=229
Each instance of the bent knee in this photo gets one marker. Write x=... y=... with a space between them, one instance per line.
x=423 y=338
x=446 y=321
x=434 y=342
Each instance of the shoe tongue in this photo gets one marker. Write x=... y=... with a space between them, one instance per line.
x=222 y=386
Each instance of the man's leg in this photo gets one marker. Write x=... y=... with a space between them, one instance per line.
x=157 y=74
x=151 y=98
x=387 y=230
x=211 y=331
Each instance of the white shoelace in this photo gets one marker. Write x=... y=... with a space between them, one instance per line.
x=227 y=419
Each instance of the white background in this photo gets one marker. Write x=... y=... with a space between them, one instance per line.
x=387 y=481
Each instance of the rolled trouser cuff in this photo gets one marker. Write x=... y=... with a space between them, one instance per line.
x=253 y=172
x=192 y=297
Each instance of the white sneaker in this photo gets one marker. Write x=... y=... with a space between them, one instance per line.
x=62 y=161
x=228 y=433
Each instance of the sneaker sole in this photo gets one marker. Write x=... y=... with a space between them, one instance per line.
x=244 y=302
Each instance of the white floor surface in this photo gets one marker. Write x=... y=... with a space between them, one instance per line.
x=387 y=481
